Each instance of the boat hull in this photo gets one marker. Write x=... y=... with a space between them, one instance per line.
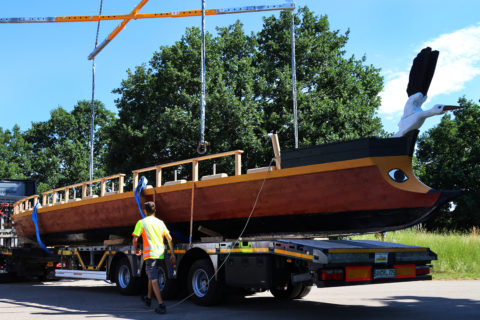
x=330 y=224
x=339 y=194
x=321 y=203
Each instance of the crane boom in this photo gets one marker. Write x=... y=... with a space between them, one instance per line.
x=117 y=30
x=172 y=14
x=135 y=15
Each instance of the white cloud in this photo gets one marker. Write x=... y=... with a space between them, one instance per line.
x=458 y=63
x=393 y=94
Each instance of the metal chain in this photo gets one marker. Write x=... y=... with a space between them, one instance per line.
x=98 y=25
x=92 y=123
x=235 y=243
x=202 y=145
x=294 y=82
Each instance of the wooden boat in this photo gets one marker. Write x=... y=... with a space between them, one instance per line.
x=360 y=186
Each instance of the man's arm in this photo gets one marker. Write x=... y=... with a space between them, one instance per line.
x=135 y=246
x=136 y=233
x=170 y=245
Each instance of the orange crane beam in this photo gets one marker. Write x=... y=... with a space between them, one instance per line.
x=135 y=15
x=173 y=14
x=119 y=28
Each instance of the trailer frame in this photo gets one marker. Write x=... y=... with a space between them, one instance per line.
x=287 y=267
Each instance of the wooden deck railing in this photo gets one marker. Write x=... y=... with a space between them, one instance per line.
x=56 y=193
x=25 y=204
x=194 y=162
x=63 y=195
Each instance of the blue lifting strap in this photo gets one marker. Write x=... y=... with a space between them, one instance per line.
x=138 y=191
x=34 y=218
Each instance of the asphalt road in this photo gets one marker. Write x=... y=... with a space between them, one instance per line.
x=87 y=299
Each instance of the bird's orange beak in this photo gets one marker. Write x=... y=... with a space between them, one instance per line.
x=446 y=108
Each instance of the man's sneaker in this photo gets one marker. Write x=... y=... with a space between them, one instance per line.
x=146 y=300
x=161 y=309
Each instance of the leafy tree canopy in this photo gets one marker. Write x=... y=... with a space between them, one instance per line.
x=449 y=159
x=60 y=146
x=15 y=157
x=248 y=94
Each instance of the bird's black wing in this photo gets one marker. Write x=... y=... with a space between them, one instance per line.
x=422 y=71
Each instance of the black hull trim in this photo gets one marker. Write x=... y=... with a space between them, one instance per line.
x=324 y=224
x=349 y=150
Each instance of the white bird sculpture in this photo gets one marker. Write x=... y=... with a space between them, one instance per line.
x=421 y=75
x=414 y=116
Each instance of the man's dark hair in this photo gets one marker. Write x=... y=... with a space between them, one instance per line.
x=150 y=207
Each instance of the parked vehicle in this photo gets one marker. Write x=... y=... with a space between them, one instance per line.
x=287 y=267
x=17 y=260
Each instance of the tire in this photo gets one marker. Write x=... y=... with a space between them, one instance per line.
x=304 y=292
x=168 y=287
x=289 y=292
x=49 y=275
x=126 y=282
x=203 y=291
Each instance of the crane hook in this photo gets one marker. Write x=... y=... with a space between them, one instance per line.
x=202 y=147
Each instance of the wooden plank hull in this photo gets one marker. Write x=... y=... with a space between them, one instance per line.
x=343 y=188
x=345 y=201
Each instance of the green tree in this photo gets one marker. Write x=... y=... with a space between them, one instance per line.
x=61 y=145
x=337 y=95
x=449 y=159
x=159 y=106
x=248 y=94
x=15 y=155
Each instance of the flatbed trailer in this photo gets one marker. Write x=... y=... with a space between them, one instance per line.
x=26 y=263
x=16 y=261
x=287 y=267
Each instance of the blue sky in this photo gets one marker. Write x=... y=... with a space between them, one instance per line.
x=44 y=66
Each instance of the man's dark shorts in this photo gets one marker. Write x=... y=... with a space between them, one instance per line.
x=151 y=268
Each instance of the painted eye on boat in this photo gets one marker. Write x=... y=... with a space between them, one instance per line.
x=398 y=175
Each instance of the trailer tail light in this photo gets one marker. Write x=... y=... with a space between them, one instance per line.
x=422 y=270
x=363 y=273
x=333 y=274
x=405 y=271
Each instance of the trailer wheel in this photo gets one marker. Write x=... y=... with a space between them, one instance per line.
x=204 y=291
x=168 y=287
x=126 y=282
x=288 y=292
x=303 y=293
x=49 y=275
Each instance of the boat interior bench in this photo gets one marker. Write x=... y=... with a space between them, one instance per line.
x=214 y=176
x=174 y=182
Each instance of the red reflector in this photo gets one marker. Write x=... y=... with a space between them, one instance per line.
x=332 y=274
x=405 y=271
x=422 y=270
x=363 y=273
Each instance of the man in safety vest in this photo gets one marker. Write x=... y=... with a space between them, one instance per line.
x=152 y=231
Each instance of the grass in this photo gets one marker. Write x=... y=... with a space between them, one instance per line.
x=458 y=254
